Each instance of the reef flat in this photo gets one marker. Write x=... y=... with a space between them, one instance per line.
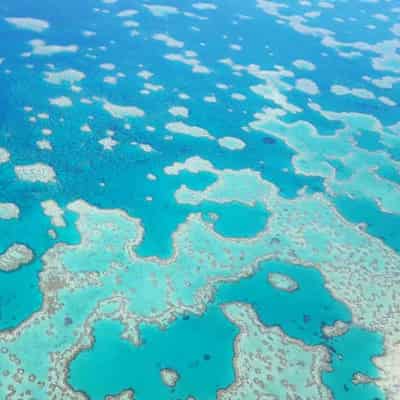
x=199 y=201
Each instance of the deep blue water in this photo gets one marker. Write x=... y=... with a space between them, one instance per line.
x=380 y=224
x=81 y=165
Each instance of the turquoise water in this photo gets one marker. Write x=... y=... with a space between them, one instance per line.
x=252 y=219
x=20 y=294
x=380 y=224
x=187 y=343
x=345 y=156
x=200 y=354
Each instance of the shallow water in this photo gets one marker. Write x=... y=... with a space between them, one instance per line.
x=309 y=90
x=203 y=346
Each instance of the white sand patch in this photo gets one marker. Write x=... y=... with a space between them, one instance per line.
x=210 y=99
x=307 y=86
x=44 y=145
x=161 y=11
x=185 y=129
x=341 y=90
x=387 y=101
x=87 y=33
x=304 y=65
x=67 y=76
x=204 y=6
x=14 y=257
x=9 y=211
x=86 y=128
x=47 y=131
x=145 y=74
x=147 y=148
x=30 y=24
x=76 y=89
x=53 y=210
x=381 y=17
x=236 y=47
x=153 y=88
x=194 y=165
x=4 y=155
x=179 y=111
x=169 y=377
x=61 y=101
x=38 y=172
x=168 y=40
x=127 y=13
x=222 y=86
x=108 y=143
x=231 y=143
x=39 y=47
x=111 y=80
x=188 y=60
x=195 y=16
x=122 y=112
x=151 y=177
x=238 y=96
x=130 y=24
x=385 y=82
x=107 y=66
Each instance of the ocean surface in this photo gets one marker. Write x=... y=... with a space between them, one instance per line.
x=200 y=200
